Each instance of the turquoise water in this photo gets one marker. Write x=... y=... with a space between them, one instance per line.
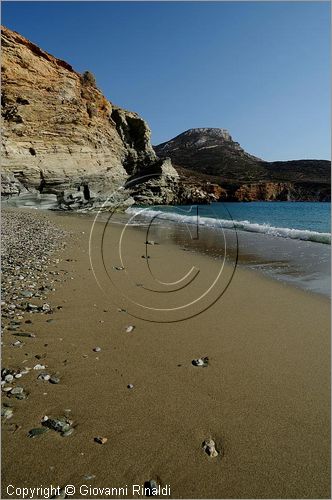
x=300 y=215
x=302 y=220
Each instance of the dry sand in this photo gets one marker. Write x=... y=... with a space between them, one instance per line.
x=264 y=398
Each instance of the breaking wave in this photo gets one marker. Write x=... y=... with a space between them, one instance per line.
x=243 y=225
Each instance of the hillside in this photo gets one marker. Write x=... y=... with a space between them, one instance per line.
x=211 y=155
x=63 y=140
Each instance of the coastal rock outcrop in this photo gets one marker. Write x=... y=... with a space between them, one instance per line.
x=61 y=136
x=64 y=145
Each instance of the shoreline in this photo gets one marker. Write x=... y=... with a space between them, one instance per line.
x=264 y=398
x=275 y=257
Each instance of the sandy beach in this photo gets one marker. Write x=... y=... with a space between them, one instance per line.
x=264 y=397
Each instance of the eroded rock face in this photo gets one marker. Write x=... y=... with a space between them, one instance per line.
x=205 y=155
x=60 y=134
x=270 y=191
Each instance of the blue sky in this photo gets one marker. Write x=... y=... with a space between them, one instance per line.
x=259 y=69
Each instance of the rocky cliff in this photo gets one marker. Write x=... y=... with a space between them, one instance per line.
x=63 y=139
x=66 y=145
x=212 y=158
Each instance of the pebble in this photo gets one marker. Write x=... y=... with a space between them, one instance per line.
x=62 y=494
x=200 y=361
x=24 y=334
x=39 y=367
x=17 y=390
x=6 y=413
x=32 y=307
x=101 y=440
x=97 y=349
x=151 y=485
x=54 y=380
x=17 y=343
x=9 y=378
x=44 y=376
x=61 y=425
x=19 y=396
x=130 y=386
x=38 y=431
x=209 y=446
x=88 y=477
x=68 y=432
x=130 y=328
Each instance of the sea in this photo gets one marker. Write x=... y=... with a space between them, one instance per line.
x=287 y=241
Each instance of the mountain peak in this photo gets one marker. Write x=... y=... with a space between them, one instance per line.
x=215 y=133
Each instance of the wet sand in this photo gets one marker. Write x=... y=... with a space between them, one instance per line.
x=264 y=398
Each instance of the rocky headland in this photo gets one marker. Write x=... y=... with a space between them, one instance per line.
x=210 y=157
x=64 y=145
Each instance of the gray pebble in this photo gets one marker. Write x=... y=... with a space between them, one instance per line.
x=54 y=380
x=17 y=390
x=38 y=431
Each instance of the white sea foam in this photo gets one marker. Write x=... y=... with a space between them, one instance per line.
x=244 y=225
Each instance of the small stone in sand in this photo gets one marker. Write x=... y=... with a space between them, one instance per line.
x=68 y=432
x=24 y=334
x=151 y=487
x=54 y=379
x=100 y=440
x=62 y=494
x=17 y=343
x=88 y=477
x=130 y=386
x=38 y=431
x=130 y=328
x=39 y=367
x=17 y=390
x=201 y=361
x=97 y=349
x=6 y=413
x=209 y=446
